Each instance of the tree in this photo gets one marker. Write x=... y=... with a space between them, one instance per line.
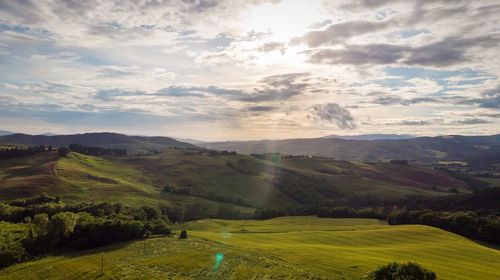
x=183 y=234
x=27 y=220
x=398 y=271
x=62 y=225
x=63 y=151
x=41 y=222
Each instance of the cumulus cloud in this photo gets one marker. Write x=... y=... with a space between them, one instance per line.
x=445 y=52
x=208 y=60
x=339 y=32
x=335 y=114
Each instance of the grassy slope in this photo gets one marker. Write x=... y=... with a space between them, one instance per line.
x=283 y=248
x=140 y=179
x=84 y=178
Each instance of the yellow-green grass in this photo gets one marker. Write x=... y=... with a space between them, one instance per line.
x=238 y=176
x=280 y=183
x=86 y=178
x=282 y=248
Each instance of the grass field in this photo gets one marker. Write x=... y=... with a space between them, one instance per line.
x=282 y=248
x=245 y=180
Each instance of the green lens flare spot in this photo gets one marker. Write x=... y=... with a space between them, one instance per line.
x=218 y=260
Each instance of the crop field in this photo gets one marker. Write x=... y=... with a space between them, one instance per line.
x=281 y=248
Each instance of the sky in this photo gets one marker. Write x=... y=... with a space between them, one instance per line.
x=250 y=69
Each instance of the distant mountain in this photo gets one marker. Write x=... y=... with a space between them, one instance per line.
x=371 y=137
x=191 y=141
x=134 y=144
x=473 y=149
x=48 y=134
x=3 y=132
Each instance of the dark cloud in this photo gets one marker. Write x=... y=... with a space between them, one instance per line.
x=334 y=113
x=446 y=52
x=395 y=100
x=278 y=87
x=417 y=122
x=338 y=33
x=359 y=55
x=261 y=108
x=489 y=99
x=470 y=121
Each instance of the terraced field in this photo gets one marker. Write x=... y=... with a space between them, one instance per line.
x=282 y=248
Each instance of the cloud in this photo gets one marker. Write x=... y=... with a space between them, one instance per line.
x=272 y=46
x=338 y=33
x=320 y=24
x=446 y=52
x=261 y=108
x=111 y=94
x=185 y=91
x=359 y=54
x=333 y=113
x=489 y=99
x=278 y=87
x=396 y=100
x=470 y=121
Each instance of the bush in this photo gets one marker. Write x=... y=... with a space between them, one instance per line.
x=401 y=271
x=63 y=151
x=183 y=234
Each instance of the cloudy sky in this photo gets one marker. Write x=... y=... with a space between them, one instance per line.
x=250 y=69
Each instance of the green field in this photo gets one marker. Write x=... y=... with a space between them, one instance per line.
x=239 y=179
x=282 y=248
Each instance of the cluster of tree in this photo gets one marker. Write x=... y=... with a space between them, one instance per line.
x=209 y=195
x=466 y=223
x=347 y=212
x=398 y=271
x=221 y=153
x=52 y=225
x=399 y=161
x=322 y=212
x=96 y=151
x=20 y=151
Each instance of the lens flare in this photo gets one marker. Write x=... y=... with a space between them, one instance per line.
x=218 y=260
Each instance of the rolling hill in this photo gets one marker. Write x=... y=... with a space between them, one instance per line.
x=282 y=248
x=377 y=136
x=476 y=150
x=134 y=144
x=187 y=174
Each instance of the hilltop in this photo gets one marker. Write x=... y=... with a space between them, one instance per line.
x=134 y=144
x=474 y=150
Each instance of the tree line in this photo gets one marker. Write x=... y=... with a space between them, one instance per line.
x=96 y=151
x=14 y=152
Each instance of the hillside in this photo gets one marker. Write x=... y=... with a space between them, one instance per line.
x=134 y=144
x=377 y=136
x=475 y=150
x=187 y=175
x=283 y=248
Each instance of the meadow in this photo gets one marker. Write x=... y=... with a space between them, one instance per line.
x=281 y=248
